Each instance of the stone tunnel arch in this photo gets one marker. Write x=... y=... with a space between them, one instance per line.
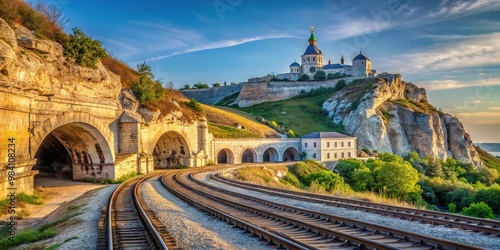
x=270 y=155
x=225 y=156
x=248 y=155
x=78 y=142
x=291 y=154
x=171 y=150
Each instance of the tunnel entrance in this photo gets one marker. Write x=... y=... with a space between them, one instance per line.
x=74 y=151
x=270 y=155
x=225 y=156
x=248 y=156
x=171 y=151
x=52 y=159
x=291 y=154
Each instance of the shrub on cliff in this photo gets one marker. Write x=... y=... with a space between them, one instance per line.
x=145 y=88
x=83 y=49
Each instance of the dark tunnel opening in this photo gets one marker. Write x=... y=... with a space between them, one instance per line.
x=53 y=159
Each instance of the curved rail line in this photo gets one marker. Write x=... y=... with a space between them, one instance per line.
x=489 y=227
x=131 y=224
x=294 y=228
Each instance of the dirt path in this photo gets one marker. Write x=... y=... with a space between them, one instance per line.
x=59 y=191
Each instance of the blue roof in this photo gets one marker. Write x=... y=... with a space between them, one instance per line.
x=361 y=57
x=295 y=64
x=312 y=50
x=333 y=66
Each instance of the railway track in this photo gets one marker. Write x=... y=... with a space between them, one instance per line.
x=489 y=227
x=130 y=223
x=294 y=228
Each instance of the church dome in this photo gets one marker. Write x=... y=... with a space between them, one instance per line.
x=295 y=64
x=361 y=57
x=312 y=50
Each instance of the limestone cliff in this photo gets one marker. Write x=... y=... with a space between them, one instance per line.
x=390 y=115
x=32 y=65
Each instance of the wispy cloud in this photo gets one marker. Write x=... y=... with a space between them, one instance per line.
x=462 y=8
x=455 y=84
x=219 y=45
x=479 y=50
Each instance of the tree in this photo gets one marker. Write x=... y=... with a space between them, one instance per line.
x=185 y=87
x=83 y=49
x=216 y=84
x=145 y=87
x=290 y=134
x=347 y=167
x=304 y=77
x=398 y=180
x=52 y=12
x=362 y=179
x=490 y=196
x=200 y=86
x=320 y=75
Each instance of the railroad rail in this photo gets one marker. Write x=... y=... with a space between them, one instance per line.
x=489 y=227
x=294 y=228
x=131 y=224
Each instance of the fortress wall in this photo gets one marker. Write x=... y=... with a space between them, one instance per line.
x=255 y=93
x=212 y=95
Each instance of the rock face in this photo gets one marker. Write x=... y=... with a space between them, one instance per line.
x=30 y=64
x=391 y=115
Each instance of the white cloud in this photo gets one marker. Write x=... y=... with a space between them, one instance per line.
x=357 y=27
x=455 y=84
x=479 y=50
x=219 y=44
x=462 y=8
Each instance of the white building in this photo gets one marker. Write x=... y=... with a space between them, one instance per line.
x=328 y=146
x=312 y=61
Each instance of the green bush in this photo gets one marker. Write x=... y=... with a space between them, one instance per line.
x=452 y=208
x=326 y=179
x=194 y=105
x=145 y=88
x=300 y=169
x=83 y=49
x=304 y=77
x=340 y=85
x=480 y=210
x=320 y=75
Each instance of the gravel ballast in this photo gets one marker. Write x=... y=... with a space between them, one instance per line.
x=192 y=228
x=457 y=235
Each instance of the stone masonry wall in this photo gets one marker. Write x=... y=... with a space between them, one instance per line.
x=212 y=95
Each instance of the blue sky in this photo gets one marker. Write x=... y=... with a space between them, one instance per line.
x=451 y=48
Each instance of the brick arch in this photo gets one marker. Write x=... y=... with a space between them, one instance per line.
x=270 y=155
x=225 y=156
x=82 y=121
x=291 y=154
x=248 y=155
x=151 y=144
x=169 y=149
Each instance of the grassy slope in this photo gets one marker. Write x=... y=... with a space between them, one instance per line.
x=488 y=159
x=222 y=121
x=303 y=114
